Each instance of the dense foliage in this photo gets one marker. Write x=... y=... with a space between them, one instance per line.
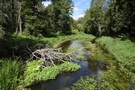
x=33 y=18
x=109 y=17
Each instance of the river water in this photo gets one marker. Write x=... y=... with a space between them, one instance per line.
x=88 y=68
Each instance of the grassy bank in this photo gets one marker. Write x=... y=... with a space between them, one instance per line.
x=123 y=50
x=116 y=77
x=16 y=45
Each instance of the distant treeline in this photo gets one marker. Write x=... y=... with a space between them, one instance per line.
x=108 y=17
x=31 y=17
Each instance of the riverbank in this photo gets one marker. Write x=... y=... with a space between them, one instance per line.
x=117 y=53
x=117 y=76
x=17 y=45
x=122 y=49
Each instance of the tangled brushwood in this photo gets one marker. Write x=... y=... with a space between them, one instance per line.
x=50 y=56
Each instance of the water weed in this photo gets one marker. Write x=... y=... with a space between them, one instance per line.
x=34 y=73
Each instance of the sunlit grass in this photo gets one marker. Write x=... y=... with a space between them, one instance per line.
x=54 y=41
x=123 y=50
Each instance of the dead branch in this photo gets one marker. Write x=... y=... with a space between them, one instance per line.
x=50 y=56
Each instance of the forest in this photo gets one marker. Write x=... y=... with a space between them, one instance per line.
x=42 y=43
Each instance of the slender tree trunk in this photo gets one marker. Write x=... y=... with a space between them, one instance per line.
x=99 y=29
x=19 y=17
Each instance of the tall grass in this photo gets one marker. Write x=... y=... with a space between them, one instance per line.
x=123 y=50
x=10 y=70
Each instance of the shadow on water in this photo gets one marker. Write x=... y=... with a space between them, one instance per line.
x=65 y=45
x=88 y=68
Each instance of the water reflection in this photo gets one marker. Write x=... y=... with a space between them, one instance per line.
x=65 y=45
x=67 y=79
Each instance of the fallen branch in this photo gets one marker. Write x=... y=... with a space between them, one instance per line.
x=50 y=56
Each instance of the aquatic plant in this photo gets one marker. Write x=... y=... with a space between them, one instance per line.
x=107 y=80
x=87 y=83
x=34 y=73
x=116 y=77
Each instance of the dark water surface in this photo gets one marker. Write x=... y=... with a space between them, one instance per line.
x=88 y=68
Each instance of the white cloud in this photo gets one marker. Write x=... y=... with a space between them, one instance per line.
x=80 y=7
x=76 y=9
x=78 y=16
x=79 y=2
x=46 y=3
x=78 y=12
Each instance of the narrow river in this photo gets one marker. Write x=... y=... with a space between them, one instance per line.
x=88 y=68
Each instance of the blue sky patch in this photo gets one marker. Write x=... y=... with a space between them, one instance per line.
x=80 y=6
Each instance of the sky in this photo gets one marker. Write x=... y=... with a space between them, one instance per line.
x=80 y=6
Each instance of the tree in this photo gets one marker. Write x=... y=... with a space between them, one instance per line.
x=29 y=14
x=95 y=18
x=62 y=9
x=8 y=19
x=78 y=24
x=122 y=15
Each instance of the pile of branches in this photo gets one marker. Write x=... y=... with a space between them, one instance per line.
x=50 y=56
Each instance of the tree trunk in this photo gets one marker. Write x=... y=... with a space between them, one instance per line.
x=19 y=17
x=99 y=29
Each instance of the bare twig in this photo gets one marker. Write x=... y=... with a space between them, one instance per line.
x=50 y=56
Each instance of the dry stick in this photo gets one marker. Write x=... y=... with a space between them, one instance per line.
x=49 y=55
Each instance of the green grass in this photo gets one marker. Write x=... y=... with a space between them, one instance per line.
x=17 y=44
x=10 y=72
x=34 y=73
x=123 y=50
x=53 y=41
